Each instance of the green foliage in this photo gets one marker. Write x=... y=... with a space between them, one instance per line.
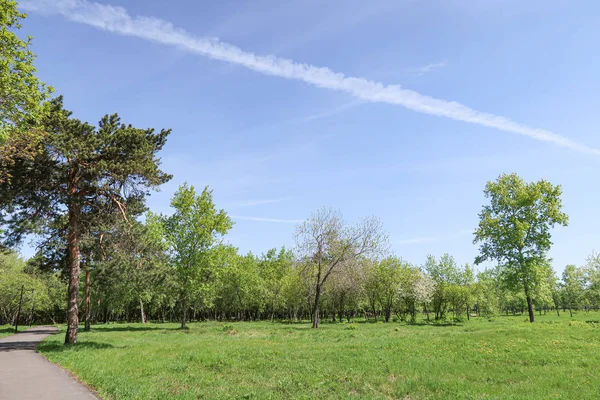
x=446 y=276
x=21 y=93
x=87 y=170
x=573 y=286
x=191 y=232
x=43 y=292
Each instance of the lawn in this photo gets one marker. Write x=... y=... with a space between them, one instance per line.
x=6 y=330
x=506 y=358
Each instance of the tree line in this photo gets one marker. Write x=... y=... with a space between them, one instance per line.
x=80 y=191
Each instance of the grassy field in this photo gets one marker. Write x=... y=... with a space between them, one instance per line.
x=506 y=358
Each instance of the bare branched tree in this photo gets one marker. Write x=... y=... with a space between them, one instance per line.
x=325 y=244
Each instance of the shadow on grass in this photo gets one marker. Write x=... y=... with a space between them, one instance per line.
x=53 y=347
x=6 y=331
x=436 y=324
x=307 y=325
x=109 y=328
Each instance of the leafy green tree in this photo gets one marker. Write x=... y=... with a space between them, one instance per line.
x=133 y=254
x=444 y=273
x=273 y=267
x=487 y=293
x=21 y=93
x=78 y=170
x=295 y=291
x=191 y=232
x=344 y=293
x=514 y=230
x=592 y=280
x=39 y=290
x=384 y=281
x=573 y=286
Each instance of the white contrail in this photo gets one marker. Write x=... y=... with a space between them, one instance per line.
x=430 y=67
x=261 y=219
x=117 y=19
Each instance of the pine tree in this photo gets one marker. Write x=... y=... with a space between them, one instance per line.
x=78 y=170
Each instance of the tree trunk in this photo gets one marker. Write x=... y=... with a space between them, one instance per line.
x=142 y=311
x=183 y=313
x=315 y=311
x=74 y=259
x=88 y=310
x=530 y=309
x=571 y=310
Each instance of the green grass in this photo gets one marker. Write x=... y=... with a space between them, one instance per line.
x=6 y=330
x=506 y=358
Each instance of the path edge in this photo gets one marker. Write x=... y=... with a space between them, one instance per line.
x=92 y=389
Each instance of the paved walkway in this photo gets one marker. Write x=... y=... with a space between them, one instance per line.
x=26 y=375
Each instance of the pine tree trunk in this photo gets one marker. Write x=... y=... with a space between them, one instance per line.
x=74 y=259
x=88 y=310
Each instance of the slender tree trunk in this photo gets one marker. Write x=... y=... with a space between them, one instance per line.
x=571 y=310
x=88 y=310
x=557 y=312
x=74 y=259
x=142 y=311
x=315 y=311
x=530 y=309
x=183 y=313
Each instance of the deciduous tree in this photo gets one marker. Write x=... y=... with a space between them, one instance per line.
x=22 y=94
x=326 y=245
x=191 y=231
x=514 y=230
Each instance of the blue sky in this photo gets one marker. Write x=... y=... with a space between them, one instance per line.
x=277 y=138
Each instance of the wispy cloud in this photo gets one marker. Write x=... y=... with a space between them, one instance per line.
x=262 y=219
x=258 y=202
x=117 y=19
x=430 y=67
x=333 y=111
